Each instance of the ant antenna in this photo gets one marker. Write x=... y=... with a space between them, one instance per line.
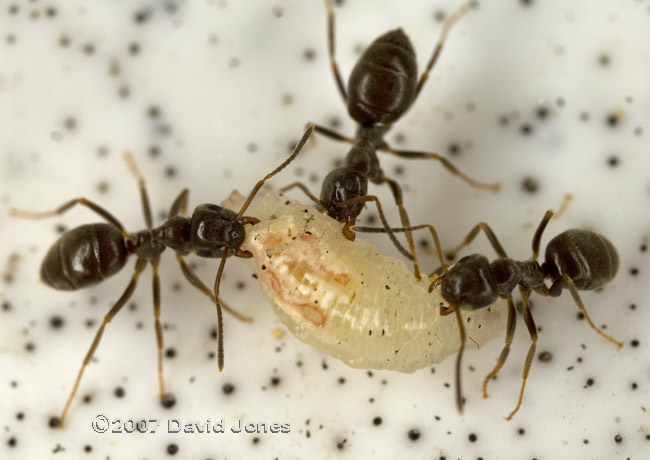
x=253 y=221
x=296 y=150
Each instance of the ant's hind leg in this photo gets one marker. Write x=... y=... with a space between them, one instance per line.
x=510 y=332
x=396 y=190
x=144 y=197
x=491 y=236
x=65 y=207
x=331 y=42
x=386 y=228
x=564 y=205
x=566 y=282
x=333 y=134
x=416 y=155
x=303 y=188
x=532 y=330
x=139 y=266
x=442 y=270
x=446 y=27
x=179 y=206
x=537 y=237
x=197 y=283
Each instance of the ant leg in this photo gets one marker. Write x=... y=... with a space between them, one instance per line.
x=537 y=237
x=396 y=190
x=179 y=205
x=510 y=331
x=441 y=41
x=459 y=358
x=565 y=204
x=303 y=188
x=140 y=265
x=532 y=330
x=331 y=50
x=333 y=134
x=566 y=282
x=491 y=236
x=156 y=317
x=362 y=199
x=197 y=283
x=434 y=235
x=494 y=186
x=133 y=168
x=65 y=207
x=296 y=150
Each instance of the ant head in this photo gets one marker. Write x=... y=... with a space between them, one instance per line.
x=213 y=228
x=470 y=283
x=340 y=185
x=589 y=259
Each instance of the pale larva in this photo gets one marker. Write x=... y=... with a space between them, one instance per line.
x=344 y=297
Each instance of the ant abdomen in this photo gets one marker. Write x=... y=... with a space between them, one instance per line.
x=84 y=256
x=588 y=258
x=382 y=85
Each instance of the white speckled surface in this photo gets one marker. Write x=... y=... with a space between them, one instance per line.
x=523 y=91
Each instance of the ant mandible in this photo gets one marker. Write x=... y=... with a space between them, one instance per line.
x=576 y=259
x=382 y=86
x=88 y=254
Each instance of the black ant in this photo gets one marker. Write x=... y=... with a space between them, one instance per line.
x=382 y=86
x=576 y=260
x=88 y=254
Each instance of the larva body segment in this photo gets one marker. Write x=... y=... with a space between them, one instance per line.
x=344 y=297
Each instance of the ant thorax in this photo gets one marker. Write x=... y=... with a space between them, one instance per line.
x=344 y=297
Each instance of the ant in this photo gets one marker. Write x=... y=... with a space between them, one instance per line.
x=576 y=259
x=88 y=254
x=382 y=86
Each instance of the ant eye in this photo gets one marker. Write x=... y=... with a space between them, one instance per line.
x=352 y=185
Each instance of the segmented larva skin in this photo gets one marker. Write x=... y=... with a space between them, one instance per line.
x=347 y=299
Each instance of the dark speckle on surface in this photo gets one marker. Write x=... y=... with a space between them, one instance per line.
x=545 y=356
x=172 y=449
x=168 y=401
x=613 y=119
x=530 y=184
x=413 y=434
x=526 y=129
x=613 y=161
